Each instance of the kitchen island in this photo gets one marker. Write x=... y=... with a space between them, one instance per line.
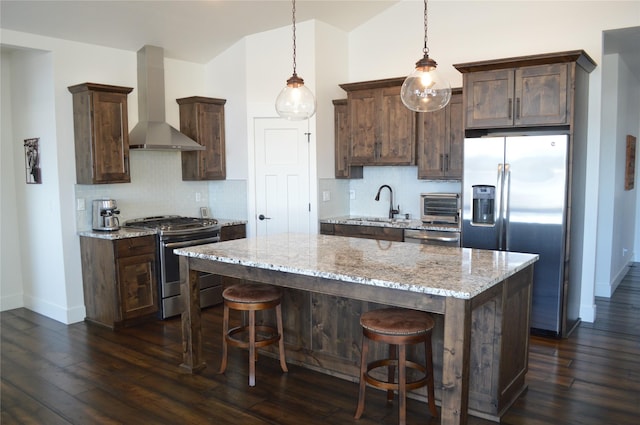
x=481 y=300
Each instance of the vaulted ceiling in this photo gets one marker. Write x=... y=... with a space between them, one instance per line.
x=194 y=31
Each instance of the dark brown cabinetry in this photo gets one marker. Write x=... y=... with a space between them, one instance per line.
x=367 y=232
x=440 y=140
x=343 y=167
x=101 y=133
x=234 y=231
x=528 y=91
x=202 y=119
x=119 y=280
x=381 y=128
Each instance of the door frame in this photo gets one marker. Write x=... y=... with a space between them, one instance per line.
x=252 y=214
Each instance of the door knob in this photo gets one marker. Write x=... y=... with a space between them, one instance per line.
x=262 y=217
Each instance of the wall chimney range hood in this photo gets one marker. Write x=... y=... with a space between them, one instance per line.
x=152 y=131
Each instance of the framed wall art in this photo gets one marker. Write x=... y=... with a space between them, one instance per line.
x=630 y=166
x=32 y=161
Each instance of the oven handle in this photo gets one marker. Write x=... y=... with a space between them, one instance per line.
x=191 y=243
x=434 y=238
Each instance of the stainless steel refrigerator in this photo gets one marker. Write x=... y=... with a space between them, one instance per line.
x=515 y=194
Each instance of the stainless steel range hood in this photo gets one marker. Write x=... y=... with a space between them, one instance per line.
x=152 y=131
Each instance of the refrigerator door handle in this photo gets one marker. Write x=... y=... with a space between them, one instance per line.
x=499 y=207
x=505 y=213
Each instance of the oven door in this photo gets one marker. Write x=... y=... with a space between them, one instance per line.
x=432 y=237
x=170 y=274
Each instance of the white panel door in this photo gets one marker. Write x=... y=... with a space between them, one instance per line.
x=282 y=176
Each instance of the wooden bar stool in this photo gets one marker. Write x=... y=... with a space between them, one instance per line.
x=252 y=297
x=397 y=327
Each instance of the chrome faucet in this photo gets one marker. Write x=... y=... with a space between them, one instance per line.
x=392 y=211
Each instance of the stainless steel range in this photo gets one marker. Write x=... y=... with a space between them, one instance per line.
x=177 y=232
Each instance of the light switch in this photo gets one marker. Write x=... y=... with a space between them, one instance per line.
x=80 y=204
x=352 y=194
x=326 y=195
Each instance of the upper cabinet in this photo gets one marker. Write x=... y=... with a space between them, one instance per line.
x=529 y=91
x=343 y=167
x=202 y=119
x=101 y=133
x=381 y=128
x=440 y=141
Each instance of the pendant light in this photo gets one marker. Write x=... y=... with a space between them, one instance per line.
x=424 y=90
x=295 y=102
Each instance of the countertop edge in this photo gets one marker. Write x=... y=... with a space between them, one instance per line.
x=411 y=224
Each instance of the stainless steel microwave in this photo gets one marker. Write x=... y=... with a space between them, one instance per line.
x=441 y=208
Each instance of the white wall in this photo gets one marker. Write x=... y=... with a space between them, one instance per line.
x=38 y=219
x=617 y=221
x=10 y=242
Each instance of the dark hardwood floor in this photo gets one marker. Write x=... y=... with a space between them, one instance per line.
x=84 y=374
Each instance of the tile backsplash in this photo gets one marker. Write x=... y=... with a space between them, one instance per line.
x=157 y=188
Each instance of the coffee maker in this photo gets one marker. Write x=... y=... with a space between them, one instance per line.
x=105 y=213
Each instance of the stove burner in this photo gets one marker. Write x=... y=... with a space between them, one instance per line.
x=172 y=223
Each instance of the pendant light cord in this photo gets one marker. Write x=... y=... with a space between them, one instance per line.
x=293 y=13
x=425 y=50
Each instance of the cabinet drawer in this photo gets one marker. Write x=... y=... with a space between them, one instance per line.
x=369 y=232
x=135 y=246
x=326 y=229
x=236 y=231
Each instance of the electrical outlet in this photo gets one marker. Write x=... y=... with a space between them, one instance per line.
x=352 y=194
x=198 y=196
x=80 y=204
x=326 y=195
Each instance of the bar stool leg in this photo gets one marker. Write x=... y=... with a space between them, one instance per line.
x=393 y=355
x=225 y=330
x=252 y=348
x=283 y=363
x=429 y=363
x=402 y=383
x=363 y=370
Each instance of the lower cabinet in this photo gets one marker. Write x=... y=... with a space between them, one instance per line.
x=119 y=280
x=367 y=232
x=234 y=231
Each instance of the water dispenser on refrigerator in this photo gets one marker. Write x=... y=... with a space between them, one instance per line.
x=484 y=197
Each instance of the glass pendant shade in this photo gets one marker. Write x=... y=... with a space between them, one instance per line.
x=424 y=90
x=295 y=102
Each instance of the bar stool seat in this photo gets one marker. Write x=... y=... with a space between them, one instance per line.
x=397 y=327
x=252 y=297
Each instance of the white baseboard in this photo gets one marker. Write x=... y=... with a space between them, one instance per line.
x=55 y=312
x=606 y=289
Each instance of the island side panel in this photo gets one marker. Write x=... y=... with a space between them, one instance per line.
x=515 y=327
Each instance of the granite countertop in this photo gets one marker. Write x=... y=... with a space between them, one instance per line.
x=134 y=232
x=399 y=223
x=456 y=272
x=123 y=233
x=230 y=222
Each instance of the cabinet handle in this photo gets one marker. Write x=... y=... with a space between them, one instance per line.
x=441 y=162
x=446 y=162
x=510 y=108
x=517 y=108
